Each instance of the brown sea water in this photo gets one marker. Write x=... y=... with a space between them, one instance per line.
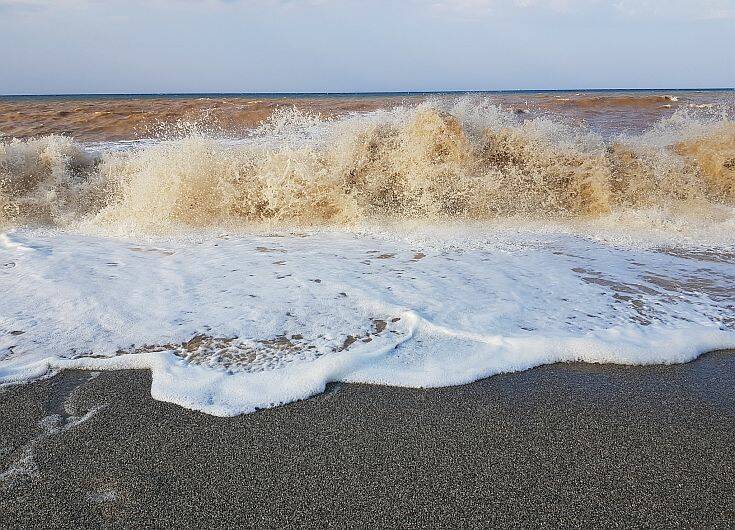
x=110 y=118
x=129 y=117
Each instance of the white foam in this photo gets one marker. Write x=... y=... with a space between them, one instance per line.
x=471 y=304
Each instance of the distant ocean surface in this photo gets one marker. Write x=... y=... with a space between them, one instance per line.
x=124 y=117
x=249 y=249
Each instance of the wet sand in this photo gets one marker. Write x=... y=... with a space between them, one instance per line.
x=571 y=445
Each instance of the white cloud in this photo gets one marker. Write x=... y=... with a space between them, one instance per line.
x=680 y=9
x=491 y=6
x=689 y=9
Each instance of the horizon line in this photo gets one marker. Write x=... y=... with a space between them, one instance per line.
x=367 y=93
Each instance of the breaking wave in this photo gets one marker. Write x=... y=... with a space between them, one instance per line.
x=464 y=160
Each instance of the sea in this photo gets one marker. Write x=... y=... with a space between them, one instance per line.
x=249 y=249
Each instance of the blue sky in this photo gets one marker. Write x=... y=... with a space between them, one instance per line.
x=93 y=46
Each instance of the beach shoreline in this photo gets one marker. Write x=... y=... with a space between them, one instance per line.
x=567 y=444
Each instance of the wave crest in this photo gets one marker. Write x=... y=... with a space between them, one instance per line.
x=430 y=162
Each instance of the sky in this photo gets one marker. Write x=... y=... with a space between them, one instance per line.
x=153 y=46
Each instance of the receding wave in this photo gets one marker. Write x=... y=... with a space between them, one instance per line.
x=431 y=162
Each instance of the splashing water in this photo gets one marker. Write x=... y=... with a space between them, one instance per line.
x=418 y=246
x=426 y=163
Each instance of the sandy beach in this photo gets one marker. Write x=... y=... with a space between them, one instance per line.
x=573 y=445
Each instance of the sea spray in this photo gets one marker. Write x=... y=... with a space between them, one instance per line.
x=433 y=162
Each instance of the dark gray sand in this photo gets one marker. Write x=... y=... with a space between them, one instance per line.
x=565 y=445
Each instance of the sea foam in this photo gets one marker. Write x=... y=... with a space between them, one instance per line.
x=238 y=322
